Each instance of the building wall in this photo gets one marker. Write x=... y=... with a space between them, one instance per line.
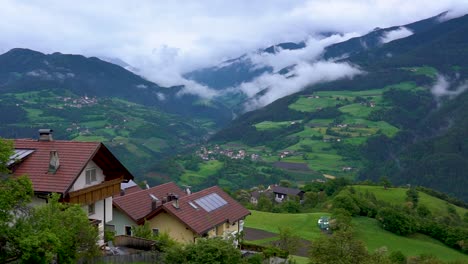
x=120 y=220
x=80 y=183
x=166 y=223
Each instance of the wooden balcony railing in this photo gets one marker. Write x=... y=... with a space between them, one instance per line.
x=95 y=193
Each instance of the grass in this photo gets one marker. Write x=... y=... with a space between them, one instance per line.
x=357 y=110
x=425 y=70
x=398 y=196
x=367 y=230
x=268 y=125
x=206 y=169
x=305 y=225
x=305 y=104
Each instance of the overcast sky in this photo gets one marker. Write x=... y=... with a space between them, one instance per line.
x=167 y=38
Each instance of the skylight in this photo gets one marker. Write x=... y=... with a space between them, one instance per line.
x=211 y=202
x=19 y=155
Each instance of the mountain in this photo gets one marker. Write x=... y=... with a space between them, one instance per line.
x=233 y=72
x=89 y=99
x=27 y=70
x=404 y=118
x=374 y=38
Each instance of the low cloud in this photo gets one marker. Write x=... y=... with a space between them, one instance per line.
x=284 y=57
x=442 y=86
x=399 y=33
x=303 y=75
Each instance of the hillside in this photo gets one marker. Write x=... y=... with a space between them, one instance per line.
x=384 y=122
x=92 y=100
x=366 y=229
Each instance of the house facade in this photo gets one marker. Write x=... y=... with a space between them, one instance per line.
x=184 y=216
x=131 y=209
x=85 y=173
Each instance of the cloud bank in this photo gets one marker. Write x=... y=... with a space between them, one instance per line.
x=399 y=33
x=304 y=74
x=165 y=39
x=441 y=88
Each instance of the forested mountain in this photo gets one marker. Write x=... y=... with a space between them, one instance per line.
x=90 y=99
x=26 y=70
x=404 y=118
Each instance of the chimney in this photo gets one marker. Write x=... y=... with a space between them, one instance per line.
x=146 y=184
x=122 y=192
x=54 y=162
x=45 y=134
x=176 y=201
x=187 y=190
x=154 y=202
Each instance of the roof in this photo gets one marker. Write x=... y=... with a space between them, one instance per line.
x=138 y=204
x=73 y=157
x=256 y=194
x=201 y=220
x=285 y=190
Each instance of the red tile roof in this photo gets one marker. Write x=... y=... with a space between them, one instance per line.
x=73 y=158
x=132 y=189
x=137 y=205
x=201 y=221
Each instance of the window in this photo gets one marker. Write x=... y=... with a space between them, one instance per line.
x=155 y=231
x=90 y=176
x=128 y=230
x=91 y=209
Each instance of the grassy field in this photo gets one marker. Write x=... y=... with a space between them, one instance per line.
x=304 y=225
x=206 y=169
x=367 y=230
x=398 y=196
x=268 y=125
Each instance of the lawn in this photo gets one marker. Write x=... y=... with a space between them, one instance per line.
x=398 y=196
x=268 y=125
x=426 y=70
x=305 y=225
x=357 y=110
x=305 y=104
x=367 y=230
x=206 y=169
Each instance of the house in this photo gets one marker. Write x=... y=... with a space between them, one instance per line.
x=255 y=195
x=186 y=216
x=131 y=209
x=85 y=173
x=284 y=193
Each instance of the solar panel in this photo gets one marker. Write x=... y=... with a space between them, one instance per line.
x=19 y=154
x=211 y=202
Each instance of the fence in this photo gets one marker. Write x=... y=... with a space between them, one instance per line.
x=134 y=242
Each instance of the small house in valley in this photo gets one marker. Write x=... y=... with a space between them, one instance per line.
x=284 y=193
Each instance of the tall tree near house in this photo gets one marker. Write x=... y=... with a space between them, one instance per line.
x=6 y=149
x=39 y=235
x=205 y=251
x=341 y=247
x=288 y=241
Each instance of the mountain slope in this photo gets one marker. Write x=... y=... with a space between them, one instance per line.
x=92 y=100
x=27 y=70
x=383 y=122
